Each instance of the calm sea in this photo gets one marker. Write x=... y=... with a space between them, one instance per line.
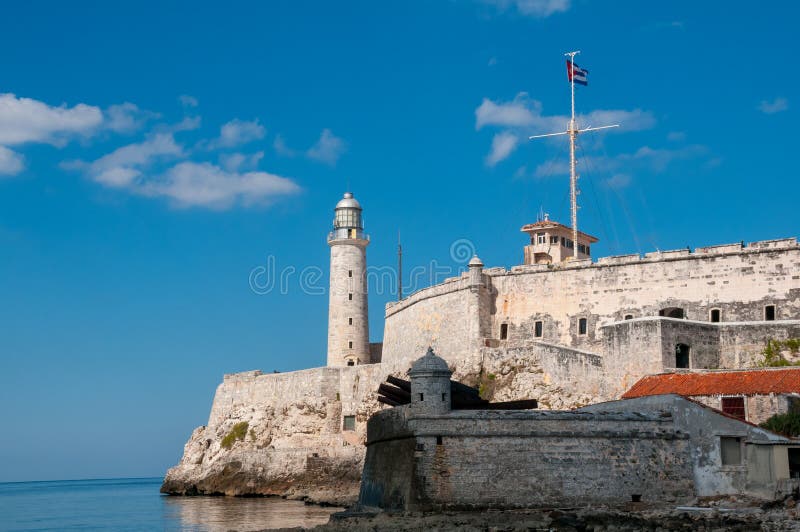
x=135 y=504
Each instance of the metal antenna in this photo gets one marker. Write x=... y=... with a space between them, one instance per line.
x=573 y=131
x=399 y=268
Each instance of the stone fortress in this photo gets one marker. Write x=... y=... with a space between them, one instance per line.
x=566 y=330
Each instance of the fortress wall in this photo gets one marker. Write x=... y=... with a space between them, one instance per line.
x=738 y=283
x=556 y=376
x=295 y=442
x=437 y=317
x=510 y=459
x=631 y=350
x=741 y=343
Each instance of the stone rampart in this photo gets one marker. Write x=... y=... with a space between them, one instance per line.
x=514 y=459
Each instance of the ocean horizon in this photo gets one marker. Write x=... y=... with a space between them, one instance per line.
x=136 y=504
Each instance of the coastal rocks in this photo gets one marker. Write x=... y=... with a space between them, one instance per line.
x=301 y=435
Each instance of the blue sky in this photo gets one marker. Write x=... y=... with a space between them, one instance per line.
x=154 y=155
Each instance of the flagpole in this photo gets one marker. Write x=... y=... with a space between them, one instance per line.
x=573 y=175
x=573 y=131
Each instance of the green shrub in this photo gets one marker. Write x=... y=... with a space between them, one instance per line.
x=772 y=357
x=238 y=432
x=787 y=424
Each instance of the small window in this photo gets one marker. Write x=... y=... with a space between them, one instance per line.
x=350 y=320
x=421 y=397
x=554 y=240
x=537 y=329
x=730 y=450
x=504 y=331
x=769 y=313
x=351 y=363
x=794 y=462
x=715 y=315
x=349 y=423
x=444 y=396
x=420 y=447
x=541 y=238
x=350 y=345
x=350 y=296
x=349 y=273
x=734 y=406
x=438 y=440
x=628 y=316
x=682 y=355
x=588 y=251
x=563 y=241
x=582 y=326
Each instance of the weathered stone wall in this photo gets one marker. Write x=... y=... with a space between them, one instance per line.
x=295 y=443
x=738 y=281
x=705 y=428
x=758 y=408
x=485 y=459
x=436 y=317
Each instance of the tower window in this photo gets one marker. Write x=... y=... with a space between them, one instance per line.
x=350 y=321
x=715 y=315
x=504 y=331
x=351 y=362
x=421 y=397
x=438 y=440
x=350 y=296
x=349 y=273
x=682 y=355
x=349 y=423
x=541 y=238
x=769 y=313
x=537 y=329
x=554 y=240
x=350 y=345
x=444 y=397
x=582 y=326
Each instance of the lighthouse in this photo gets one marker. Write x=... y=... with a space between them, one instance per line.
x=348 y=325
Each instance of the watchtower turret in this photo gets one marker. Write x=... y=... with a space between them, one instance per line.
x=430 y=384
x=348 y=327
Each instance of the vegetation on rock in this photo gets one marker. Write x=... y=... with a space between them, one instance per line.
x=238 y=432
x=773 y=353
x=787 y=424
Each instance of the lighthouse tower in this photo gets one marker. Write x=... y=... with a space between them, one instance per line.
x=348 y=327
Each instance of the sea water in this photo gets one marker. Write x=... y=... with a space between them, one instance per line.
x=135 y=504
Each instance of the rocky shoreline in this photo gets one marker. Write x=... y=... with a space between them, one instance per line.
x=724 y=515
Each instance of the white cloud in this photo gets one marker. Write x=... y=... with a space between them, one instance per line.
x=327 y=149
x=522 y=112
x=126 y=118
x=532 y=8
x=188 y=101
x=502 y=146
x=238 y=161
x=523 y=116
x=237 y=132
x=676 y=136
x=645 y=158
x=133 y=168
x=123 y=166
x=26 y=120
x=618 y=181
x=11 y=162
x=190 y=184
x=775 y=106
x=281 y=148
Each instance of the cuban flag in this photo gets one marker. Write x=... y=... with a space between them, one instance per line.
x=576 y=73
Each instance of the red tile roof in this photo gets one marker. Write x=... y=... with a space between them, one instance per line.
x=747 y=382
